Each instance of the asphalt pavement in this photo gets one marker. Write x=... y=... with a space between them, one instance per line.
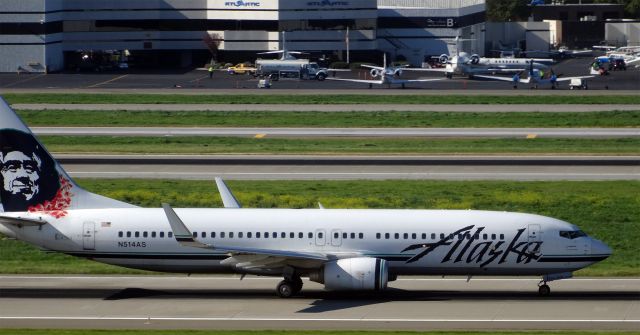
x=226 y=302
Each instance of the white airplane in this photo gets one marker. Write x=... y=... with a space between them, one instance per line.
x=535 y=78
x=388 y=75
x=467 y=64
x=346 y=249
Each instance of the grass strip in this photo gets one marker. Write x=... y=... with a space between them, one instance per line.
x=289 y=332
x=607 y=210
x=69 y=118
x=460 y=99
x=237 y=145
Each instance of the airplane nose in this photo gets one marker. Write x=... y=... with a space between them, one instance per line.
x=599 y=248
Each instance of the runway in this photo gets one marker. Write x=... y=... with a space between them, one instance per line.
x=575 y=108
x=275 y=167
x=217 y=302
x=344 y=132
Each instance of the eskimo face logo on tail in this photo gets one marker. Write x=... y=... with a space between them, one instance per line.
x=30 y=181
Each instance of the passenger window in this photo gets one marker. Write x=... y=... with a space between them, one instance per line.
x=396 y=235
x=320 y=235
x=360 y=235
x=424 y=236
x=493 y=236
x=161 y=234
x=283 y=235
x=248 y=234
x=231 y=234
x=144 y=234
x=310 y=235
x=344 y=235
x=194 y=234
x=203 y=234
x=378 y=236
x=292 y=235
x=413 y=236
x=353 y=235
x=336 y=235
x=502 y=236
x=433 y=236
x=170 y=234
x=300 y=235
x=441 y=236
x=386 y=236
x=274 y=234
x=213 y=234
x=257 y=234
x=137 y=234
x=153 y=234
x=266 y=235
x=222 y=234
x=240 y=234
x=120 y=234
x=484 y=237
x=405 y=235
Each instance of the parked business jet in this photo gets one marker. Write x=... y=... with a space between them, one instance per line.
x=387 y=75
x=346 y=249
x=535 y=78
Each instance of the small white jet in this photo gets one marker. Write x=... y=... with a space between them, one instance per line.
x=388 y=75
x=535 y=79
x=345 y=249
x=467 y=64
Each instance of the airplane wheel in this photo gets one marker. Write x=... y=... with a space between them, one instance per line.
x=285 y=289
x=544 y=290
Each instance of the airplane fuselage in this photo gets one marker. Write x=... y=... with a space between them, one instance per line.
x=414 y=242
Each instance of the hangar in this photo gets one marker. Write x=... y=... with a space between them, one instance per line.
x=54 y=35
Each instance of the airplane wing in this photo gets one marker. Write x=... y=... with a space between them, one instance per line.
x=228 y=200
x=510 y=79
x=373 y=67
x=633 y=61
x=244 y=257
x=569 y=78
x=438 y=69
x=503 y=70
x=404 y=81
x=365 y=81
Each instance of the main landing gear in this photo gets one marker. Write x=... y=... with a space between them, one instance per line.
x=543 y=289
x=289 y=287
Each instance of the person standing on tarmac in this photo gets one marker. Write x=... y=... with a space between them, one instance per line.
x=210 y=71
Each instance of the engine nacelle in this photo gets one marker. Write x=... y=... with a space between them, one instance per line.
x=443 y=59
x=475 y=59
x=361 y=273
x=397 y=73
x=374 y=72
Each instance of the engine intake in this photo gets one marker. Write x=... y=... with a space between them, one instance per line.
x=360 y=273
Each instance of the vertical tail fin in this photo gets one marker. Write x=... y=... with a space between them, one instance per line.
x=32 y=180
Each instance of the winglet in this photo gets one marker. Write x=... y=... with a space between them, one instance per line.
x=180 y=231
x=228 y=199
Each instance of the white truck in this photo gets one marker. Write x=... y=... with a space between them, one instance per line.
x=290 y=68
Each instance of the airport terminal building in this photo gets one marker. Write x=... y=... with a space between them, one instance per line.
x=55 y=35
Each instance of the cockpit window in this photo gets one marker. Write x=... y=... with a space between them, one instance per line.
x=571 y=234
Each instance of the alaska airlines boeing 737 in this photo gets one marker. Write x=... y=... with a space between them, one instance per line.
x=345 y=249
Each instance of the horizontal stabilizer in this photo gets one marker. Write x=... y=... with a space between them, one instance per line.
x=21 y=222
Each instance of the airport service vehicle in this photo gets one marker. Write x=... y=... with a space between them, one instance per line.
x=241 y=69
x=578 y=84
x=346 y=249
x=300 y=68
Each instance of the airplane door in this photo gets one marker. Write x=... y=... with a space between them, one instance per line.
x=336 y=237
x=533 y=232
x=321 y=239
x=89 y=235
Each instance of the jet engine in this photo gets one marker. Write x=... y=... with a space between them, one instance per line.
x=360 y=273
x=375 y=72
x=397 y=72
x=475 y=59
x=443 y=59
